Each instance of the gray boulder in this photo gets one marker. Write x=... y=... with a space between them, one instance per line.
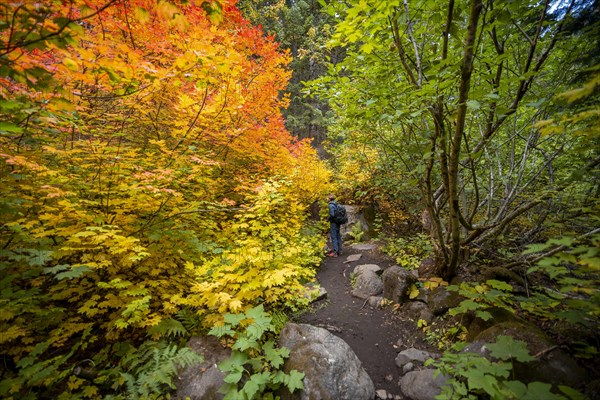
x=332 y=370
x=396 y=283
x=202 y=381
x=368 y=284
x=441 y=300
x=418 y=310
x=359 y=269
x=421 y=385
x=413 y=355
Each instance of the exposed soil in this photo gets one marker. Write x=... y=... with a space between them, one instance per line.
x=375 y=335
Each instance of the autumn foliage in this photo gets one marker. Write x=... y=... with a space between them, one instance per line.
x=148 y=187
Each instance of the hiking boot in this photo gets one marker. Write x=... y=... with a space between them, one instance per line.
x=331 y=254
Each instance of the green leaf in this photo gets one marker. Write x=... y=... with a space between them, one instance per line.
x=73 y=272
x=261 y=322
x=499 y=285
x=571 y=393
x=9 y=127
x=168 y=327
x=473 y=105
x=250 y=388
x=233 y=377
x=234 y=319
x=535 y=248
x=261 y=379
x=484 y=315
x=234 y=363
x=244 y=343
x=541 y=391
x=273 y=355
x=295 y=381
x=232 y=394
x=507 y=348
x=514 y=390
x=466 y=306
x=478 y=380
x=220 y=331
x=367 y=48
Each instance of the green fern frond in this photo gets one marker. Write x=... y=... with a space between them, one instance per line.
x=190 y=320
x=151 y=368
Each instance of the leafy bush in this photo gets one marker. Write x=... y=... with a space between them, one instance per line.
x=442 y=336
x=574 y=269
x=268 y=261
x=254 y=369
x=408 y=252
x=472 y=376
x=482 y=296
x=356 y=233
x=129 y=174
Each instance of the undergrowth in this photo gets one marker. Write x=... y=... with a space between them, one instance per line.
x=254 y=369
x=408 y=252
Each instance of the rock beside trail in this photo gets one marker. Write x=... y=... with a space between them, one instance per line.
x=421 y=385
x=353 y=257
x=332 y=370
x=553 y=365
x=418 y=310
x=396 y=284
x=202 y=381
x=359 y=269
x=367 y=284
x=441 y=300
x=413 y=356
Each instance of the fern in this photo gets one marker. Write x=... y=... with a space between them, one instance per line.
x=148 y=371
x=189 y=319
x=168 y=328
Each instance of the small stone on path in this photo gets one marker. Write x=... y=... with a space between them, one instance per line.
x=368 y=267
x=364 y=246
x=353 y=257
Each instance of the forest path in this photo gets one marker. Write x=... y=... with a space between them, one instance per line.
x=376 y=335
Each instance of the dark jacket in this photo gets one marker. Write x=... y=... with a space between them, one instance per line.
x=331 y=206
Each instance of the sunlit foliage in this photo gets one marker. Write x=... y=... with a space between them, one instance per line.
x=137 y=139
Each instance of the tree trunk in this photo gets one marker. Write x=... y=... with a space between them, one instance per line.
x=456 y=143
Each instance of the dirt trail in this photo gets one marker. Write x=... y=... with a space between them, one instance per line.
x=373 y=334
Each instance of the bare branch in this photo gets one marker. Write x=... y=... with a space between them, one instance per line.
x=10 y=48
x=415 y=46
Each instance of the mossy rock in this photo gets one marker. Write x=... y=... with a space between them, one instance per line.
x=552 y=365
x=475 y=326
x=440 y=300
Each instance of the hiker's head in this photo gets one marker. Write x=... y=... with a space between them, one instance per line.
x=330 y=197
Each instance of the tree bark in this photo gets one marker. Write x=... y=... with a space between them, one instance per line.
x=455 y=145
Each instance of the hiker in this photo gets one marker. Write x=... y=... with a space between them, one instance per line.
x=334 y=228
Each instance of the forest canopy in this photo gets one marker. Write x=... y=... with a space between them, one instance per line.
x=157 y=172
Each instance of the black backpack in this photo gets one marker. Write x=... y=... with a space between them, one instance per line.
x=339 y=216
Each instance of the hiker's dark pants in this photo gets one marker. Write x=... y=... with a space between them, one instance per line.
x=336 y=238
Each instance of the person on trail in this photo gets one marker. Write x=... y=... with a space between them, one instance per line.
x=334 y=228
